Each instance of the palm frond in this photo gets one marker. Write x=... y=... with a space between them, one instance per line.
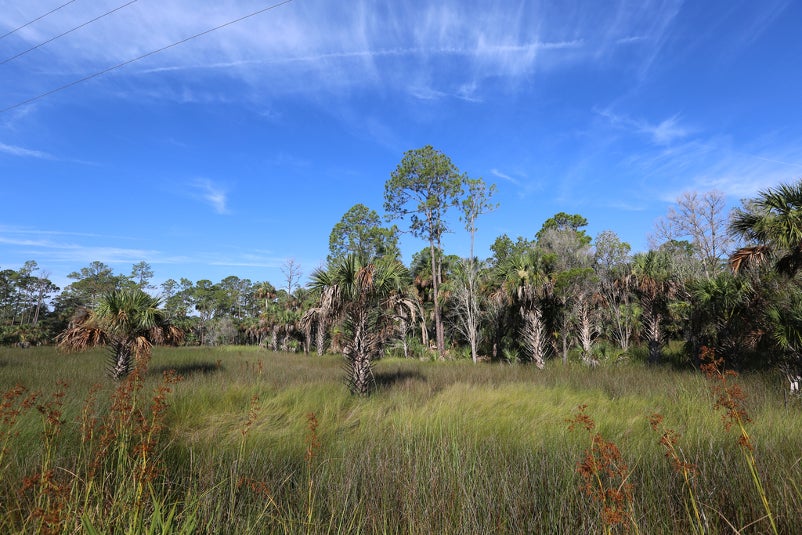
x=749 y=256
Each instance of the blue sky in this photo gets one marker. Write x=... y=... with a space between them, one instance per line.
x=232 y=152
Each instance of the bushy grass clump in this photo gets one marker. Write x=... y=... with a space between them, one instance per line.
x=251 y=441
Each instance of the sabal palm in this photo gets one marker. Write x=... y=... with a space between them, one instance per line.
x=772 y=224
x=655 y=286
x=128 y=321
x=720 y=317
x=528 y=286
x=364 y=297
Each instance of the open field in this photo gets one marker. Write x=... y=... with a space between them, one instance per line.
x=439 y=448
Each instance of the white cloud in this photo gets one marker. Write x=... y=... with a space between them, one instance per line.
x=715 y=164
x=504 y=176
x=212 y=194
x=665 y=132
x=23 y=152
x=315 y=46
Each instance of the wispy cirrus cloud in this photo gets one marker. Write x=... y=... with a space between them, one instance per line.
x=23 y=152
x=715 y=163
x=212 y=194
x=498 y=174
x=665 y=132
x=315 y=46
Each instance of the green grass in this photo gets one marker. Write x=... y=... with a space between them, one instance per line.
x=440 y=447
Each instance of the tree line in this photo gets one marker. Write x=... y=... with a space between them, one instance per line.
x=711 y=280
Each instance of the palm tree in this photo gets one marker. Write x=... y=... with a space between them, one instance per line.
x=128 y=321
x=365 y=297
x=772 y=225
x=529 y=286
x=655 y=285
x=724 y=315
x=318 y=316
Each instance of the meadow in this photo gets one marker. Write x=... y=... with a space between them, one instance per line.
x=252 y=441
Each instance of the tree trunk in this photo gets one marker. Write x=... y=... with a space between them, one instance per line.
x=358 y=355
x=654 y=335
x=320 y=336
x=403 y=327
x=439 y=332
x=122 y=360
x=588 y=330
x=534 y=336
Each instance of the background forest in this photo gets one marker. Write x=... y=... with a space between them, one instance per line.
x=712 y=278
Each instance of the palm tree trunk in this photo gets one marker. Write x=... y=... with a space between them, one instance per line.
x=403 y=328
x=534 y=335
x=358 y=354
x=321 y=336
x=121 y=360
x=654 y=335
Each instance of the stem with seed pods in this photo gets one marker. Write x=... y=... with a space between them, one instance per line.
x=730 y=398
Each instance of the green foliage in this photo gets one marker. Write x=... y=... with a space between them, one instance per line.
x=562 y=221
x=91 y=282
x=360 y=233
x=504 y=248
x=772 y=226
x=423 y=186
x=366 y=298
x=129 y=322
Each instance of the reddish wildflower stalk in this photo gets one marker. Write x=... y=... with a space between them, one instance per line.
x=49 y=495
x=730 y=398
x=148 y=432
x=605 y=476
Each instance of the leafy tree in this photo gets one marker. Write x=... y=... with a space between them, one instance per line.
x=504 y=248
x=424 y=186
x=23 y=303
x=562 y=221
x=141 y=273
x=91 y=282
x=365 y=297
x=204 y=300
x=128 y=321
x=685 y=260
x=360 y=233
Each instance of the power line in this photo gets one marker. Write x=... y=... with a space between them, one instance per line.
x=143 y=56
x=36 y=19
x=67 y=32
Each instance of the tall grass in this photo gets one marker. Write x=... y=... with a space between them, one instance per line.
x=252 y=441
